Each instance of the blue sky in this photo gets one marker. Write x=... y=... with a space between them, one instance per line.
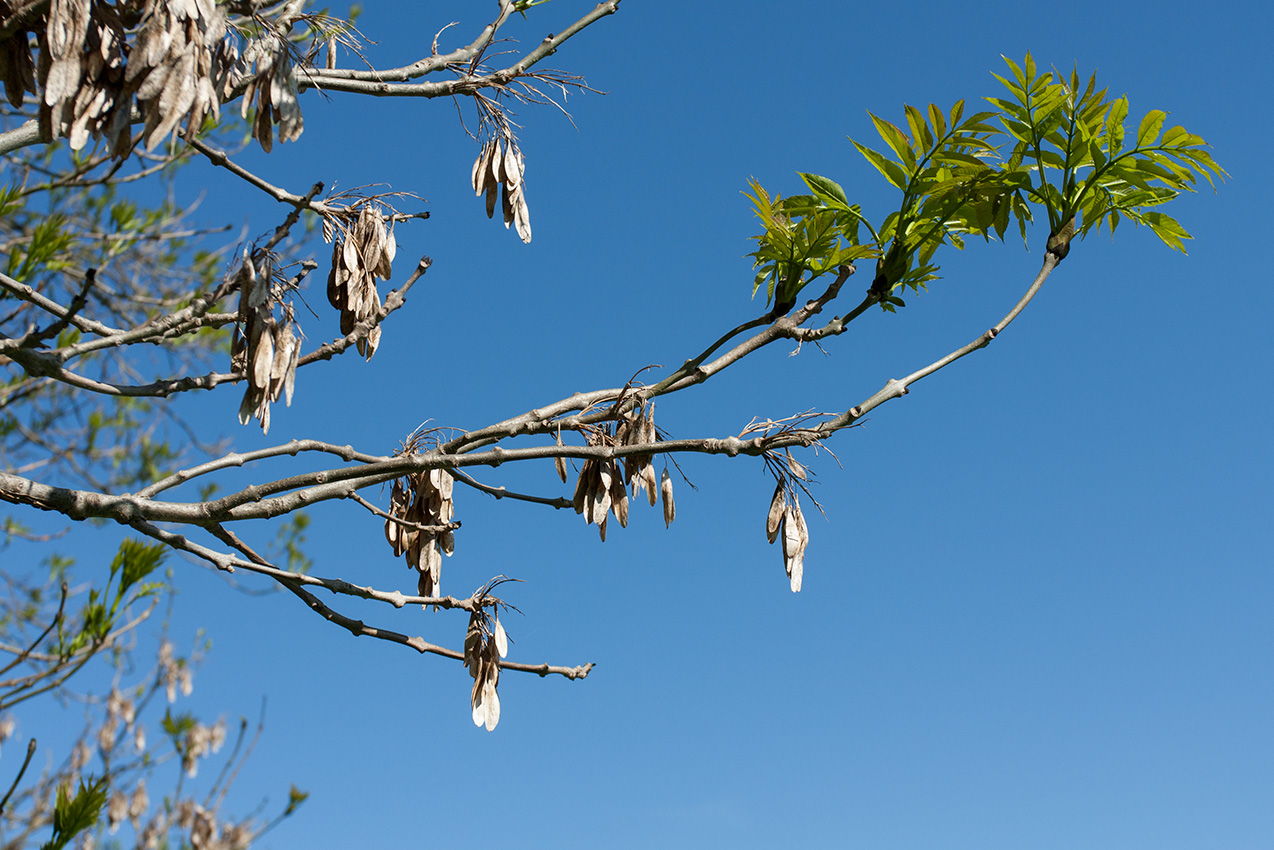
x=1038 y=612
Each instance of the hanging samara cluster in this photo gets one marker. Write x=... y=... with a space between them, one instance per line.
x=602 y=488
x=786 y=520
x=98 y=67
x=420 y=527
x=362 y=250
x=485 y=643
x=500 y=164
x=266 y=350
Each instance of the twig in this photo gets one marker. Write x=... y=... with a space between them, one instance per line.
x=18 y=778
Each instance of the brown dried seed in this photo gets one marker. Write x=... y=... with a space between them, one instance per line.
x=648 y=476
x=797 y=469
x=501 y=639
x=445 y=484
x=493 y=191
x=560 y=462
x=773 y=520
x=349 y=253
x=263 y=358
x=513 y=166
x=251 y=400
x=583 y=485
x=486 y=707
x=389 y=247
x=795 y=538
x=521 y=216
x=665 y=492
x=619 y=500
x=283 y=356
x=483 y=168
x=496 y=172
x=473 y=643
x=601 y=491
x=289 y=379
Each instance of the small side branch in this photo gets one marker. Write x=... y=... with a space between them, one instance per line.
x=896 y=388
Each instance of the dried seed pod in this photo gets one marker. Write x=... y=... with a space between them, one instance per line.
x=486 y=702
x=584 y=486
x=501 y=639
x=506 y=207
x=500 y=165
x=283 y=369
x=263 y=357
x=560 y=462
x=496 y=163
x=601 y=492
x=493 y=192
x=648 y=479
x=484 y=644
x=774 y=519
x=797 y=469
x=619 y=500
x=665 y=493
x=521 y=216
x=395 y=534
x=795 y=538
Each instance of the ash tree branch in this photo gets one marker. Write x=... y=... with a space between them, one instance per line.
x=48 y=305
x=296 y=583
x=895 y=388
x=44 y=364
x=392 y=83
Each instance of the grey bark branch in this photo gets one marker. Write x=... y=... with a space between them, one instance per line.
x=297 y=582
x=393 y=83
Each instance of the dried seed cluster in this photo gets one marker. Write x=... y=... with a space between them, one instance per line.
x=181 y=64
x=421 y=527
x=274 y=87
x=485 y=643
x=363 y=249
x=17 y=67
x=500 y=164
x=266 y=349
x=786 y=520
x=601 y=489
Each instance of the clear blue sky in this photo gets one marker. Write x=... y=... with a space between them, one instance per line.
x=1038 y=614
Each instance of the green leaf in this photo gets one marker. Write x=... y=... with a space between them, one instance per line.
x=295 y=798
x=825 y=188
x=1022 y=79
x=896 y=139
x=1115 y=125
x=1150 y=127
x=1167 y=229
x=138 y=559
x=920 y=130
x=73 y=815
x=892 y=171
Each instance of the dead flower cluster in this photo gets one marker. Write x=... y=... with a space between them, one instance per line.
x=485 y=643
x=273 y=85
x=602 y=489
x=786 y=520
x=363 y=249
x=180 y=66
x=420 y=526
x=183 y=64
x=500 y=164
x=265 y=350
